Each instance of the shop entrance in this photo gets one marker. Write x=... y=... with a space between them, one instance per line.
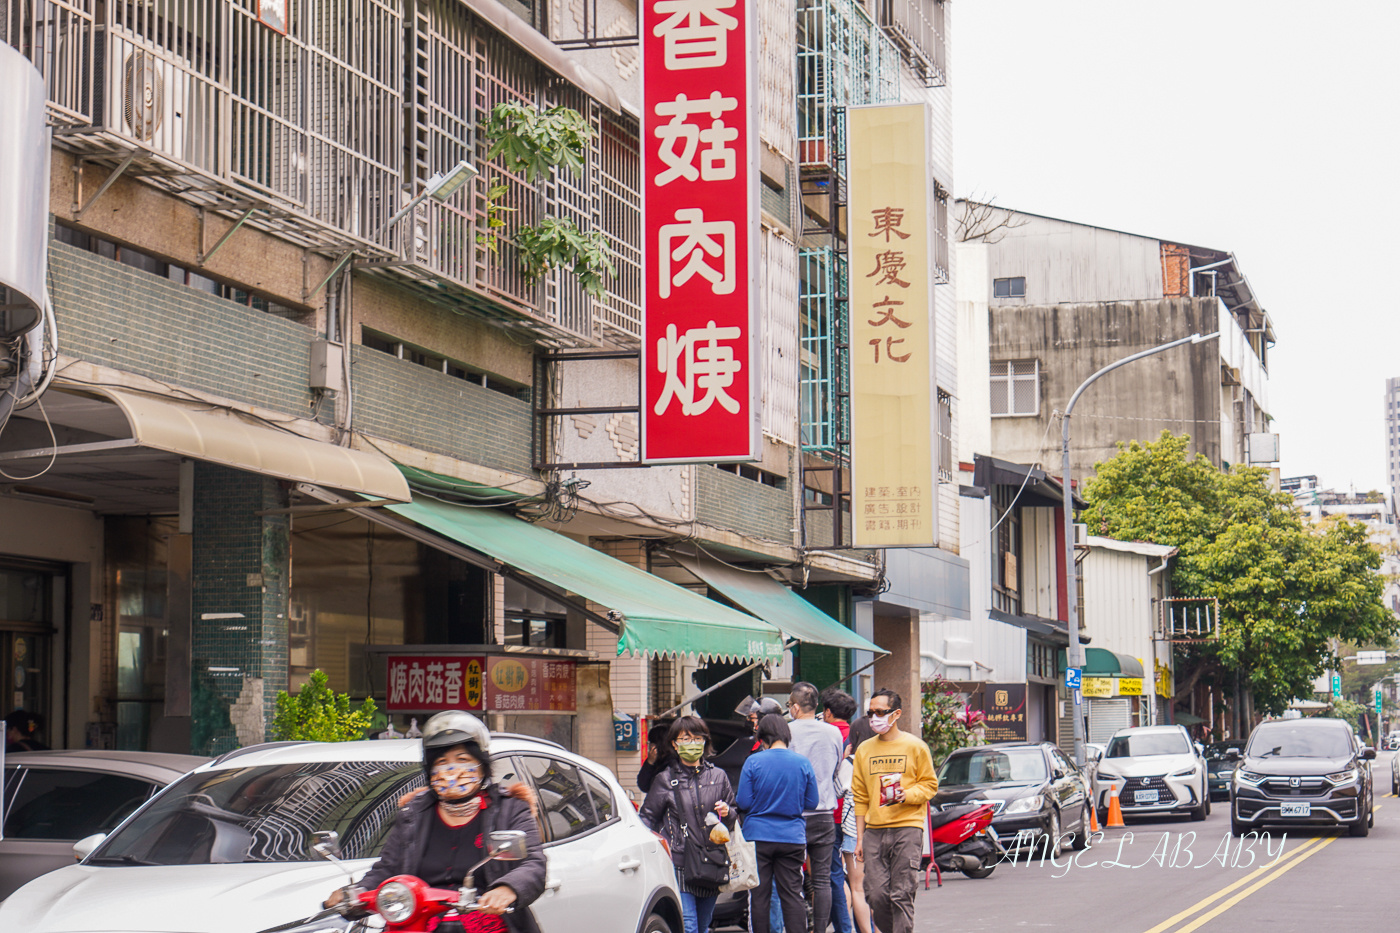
x=31 y=599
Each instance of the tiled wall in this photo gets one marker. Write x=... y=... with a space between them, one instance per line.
x=738 y=504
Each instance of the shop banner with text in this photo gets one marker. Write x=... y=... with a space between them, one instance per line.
x=419 y=683
x=1004 y=705
x=700 y=367
x=894 y=493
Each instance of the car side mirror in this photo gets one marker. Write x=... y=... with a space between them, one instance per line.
x=1232 y=754
x=507 y=845
x=1200 y=750
x=83 y=847
x=1368 y=753
x=325 y=845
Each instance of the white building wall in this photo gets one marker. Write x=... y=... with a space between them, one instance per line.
x=974 y=352
x=997 y=645
x=1040 y=588
x=1121 y=609
x=1065 y=263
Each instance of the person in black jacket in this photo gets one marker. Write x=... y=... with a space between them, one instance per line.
x=676 y=806
x=442 y=833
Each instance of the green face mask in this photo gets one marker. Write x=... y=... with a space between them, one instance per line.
x=690 y=752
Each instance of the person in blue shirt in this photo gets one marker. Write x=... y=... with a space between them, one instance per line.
x=775 y=787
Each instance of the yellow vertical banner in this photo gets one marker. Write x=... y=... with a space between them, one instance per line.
x=894 y=492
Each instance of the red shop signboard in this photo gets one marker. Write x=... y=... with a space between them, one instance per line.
x=700 y=365
x=426 y=683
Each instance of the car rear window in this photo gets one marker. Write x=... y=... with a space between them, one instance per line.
x=265 y=814
x=1299 y=742
x=1143 y=744
x=993 y=766
x=58 y=803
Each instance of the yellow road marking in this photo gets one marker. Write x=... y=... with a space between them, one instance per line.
x=1217 y=911
x=1205 y=902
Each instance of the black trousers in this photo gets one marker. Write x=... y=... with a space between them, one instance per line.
x=821 y=839
x=780 y=862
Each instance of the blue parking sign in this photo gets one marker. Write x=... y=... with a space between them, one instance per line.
x=1073 y=678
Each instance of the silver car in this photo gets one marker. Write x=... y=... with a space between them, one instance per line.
x=53 y=799
x=1154 y=770
x=227 y=849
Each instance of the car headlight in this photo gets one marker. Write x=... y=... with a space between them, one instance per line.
x=1342 y=777
x=1024 y=805
x=1249 y=777
x=1185 y=772
x=395 y=901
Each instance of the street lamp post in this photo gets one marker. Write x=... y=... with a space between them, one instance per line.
x=1074 y=656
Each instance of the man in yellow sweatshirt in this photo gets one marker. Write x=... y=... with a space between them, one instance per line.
x=891 y=785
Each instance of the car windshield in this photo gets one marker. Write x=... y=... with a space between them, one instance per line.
x=1218 y=749
x=993 y=766
x=264 y=814
x=1144 y=744
x=1300 y=742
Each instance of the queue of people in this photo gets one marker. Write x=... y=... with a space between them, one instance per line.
x=846 y=796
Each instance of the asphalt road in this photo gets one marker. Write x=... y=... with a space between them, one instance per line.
x=1175 y=876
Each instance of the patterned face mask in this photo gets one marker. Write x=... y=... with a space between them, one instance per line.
x=455 y=779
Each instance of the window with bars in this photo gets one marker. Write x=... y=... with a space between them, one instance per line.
x=946 y=464
x=1016 y=388
x=1006 y=550
x=1040 y=660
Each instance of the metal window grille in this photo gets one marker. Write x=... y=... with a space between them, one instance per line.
x=781 y=355
x=941 y=260
x=1016 y=387
x=1006 y=551
x=843 y=59
x=946 y=463
x=822 y=286
x=919 y=28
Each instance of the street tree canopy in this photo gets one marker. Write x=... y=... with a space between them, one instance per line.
x=1286 y=587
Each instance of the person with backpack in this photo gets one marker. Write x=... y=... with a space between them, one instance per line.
x=679 y=805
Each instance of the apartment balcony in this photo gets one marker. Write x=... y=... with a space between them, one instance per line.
x=303 y=135
x=843 y=59
x=918 y=27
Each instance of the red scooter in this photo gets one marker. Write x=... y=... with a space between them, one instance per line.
x=406 y=903
x=962 y=839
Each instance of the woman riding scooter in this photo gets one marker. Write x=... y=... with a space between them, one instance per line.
x=441 y=833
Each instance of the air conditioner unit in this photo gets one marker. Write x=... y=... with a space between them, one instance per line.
x=1081 y=534
x=145 y=96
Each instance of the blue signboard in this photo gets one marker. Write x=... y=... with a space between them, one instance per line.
x=1073 y=678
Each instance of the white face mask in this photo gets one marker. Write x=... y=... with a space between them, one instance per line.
x=880 y=724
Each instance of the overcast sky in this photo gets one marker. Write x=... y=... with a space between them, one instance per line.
x=1269 y=129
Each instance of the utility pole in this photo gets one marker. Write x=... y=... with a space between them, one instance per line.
x=1075 y=653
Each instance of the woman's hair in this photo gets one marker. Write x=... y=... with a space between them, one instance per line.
x=773 y=728
x=695 y=726
x=471 y=748
x=860 y=731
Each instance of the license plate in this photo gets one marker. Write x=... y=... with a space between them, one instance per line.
x=1144 y=796
x=992 y=834
x=1295 y=809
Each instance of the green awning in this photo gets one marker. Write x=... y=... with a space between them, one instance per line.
x=658 y=618
x=772 y=602
x=1100 y=662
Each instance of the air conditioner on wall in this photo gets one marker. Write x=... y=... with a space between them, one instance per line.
x=145 y=96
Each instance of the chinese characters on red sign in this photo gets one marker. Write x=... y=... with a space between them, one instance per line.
x=421 y=683
x=699 y=130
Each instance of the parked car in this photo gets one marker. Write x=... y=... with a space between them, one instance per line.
x=54 y=798
x=1036 y=790
x=227 y=848
x=1221 y=768
x=1395 y=775
x=1157 y=770
x=1303 y=771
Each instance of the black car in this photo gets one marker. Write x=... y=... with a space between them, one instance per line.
x=1303 y=772
x=1220 y=768
x=1036 y=790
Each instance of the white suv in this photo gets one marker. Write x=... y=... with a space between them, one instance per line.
x=227 y=848
x=1155 y=769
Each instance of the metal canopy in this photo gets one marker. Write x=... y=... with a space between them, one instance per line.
x=1100 y=662
x=121 y=444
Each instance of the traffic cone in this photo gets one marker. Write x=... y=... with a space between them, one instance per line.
x=1093 y=818
x=1115 y=811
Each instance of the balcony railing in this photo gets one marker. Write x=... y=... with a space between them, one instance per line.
x=843 y=59
x=307 y=131
x=821 y=309
x=918 y=28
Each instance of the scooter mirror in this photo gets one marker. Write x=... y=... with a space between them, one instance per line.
x=325 y=844
x=507 y=845
x=83 y=847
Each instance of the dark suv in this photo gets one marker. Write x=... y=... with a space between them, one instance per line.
x=1302 y=771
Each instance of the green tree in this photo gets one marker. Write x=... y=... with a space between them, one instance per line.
x=319 y=714
x=1286 y=587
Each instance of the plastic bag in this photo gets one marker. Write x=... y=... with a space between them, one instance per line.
x=743 y=863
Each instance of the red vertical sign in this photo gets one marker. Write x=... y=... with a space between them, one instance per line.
x=700 y=366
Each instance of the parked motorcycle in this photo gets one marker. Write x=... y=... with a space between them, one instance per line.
x=406 y=904
x=962 y=839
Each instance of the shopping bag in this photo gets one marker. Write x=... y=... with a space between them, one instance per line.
x=743 y=863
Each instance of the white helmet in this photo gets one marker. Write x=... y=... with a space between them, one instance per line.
x=453 y=727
